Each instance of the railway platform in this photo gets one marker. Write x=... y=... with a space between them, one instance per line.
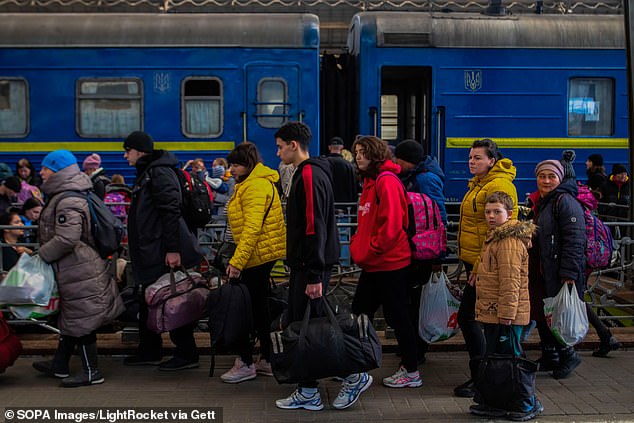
x=600 y=390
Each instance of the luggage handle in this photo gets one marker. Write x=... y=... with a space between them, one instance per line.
x=173 y=279
x=329 y=313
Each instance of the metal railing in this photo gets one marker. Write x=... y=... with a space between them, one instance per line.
x=603 y=284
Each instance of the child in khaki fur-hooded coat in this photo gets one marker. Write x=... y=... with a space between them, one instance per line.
x=502 y=299
x=502 y=284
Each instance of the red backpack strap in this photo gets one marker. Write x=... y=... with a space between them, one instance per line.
x=188 y=178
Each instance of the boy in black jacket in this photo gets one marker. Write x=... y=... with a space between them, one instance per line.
x=312 y=248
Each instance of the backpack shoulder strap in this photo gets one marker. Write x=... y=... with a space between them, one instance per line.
x=382 y=174
x=76 y=194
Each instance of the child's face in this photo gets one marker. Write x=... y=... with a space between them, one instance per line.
x=496 y=214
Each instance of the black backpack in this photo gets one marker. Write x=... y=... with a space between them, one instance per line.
x=197 y=199
x=107 y=231
x=230 y=319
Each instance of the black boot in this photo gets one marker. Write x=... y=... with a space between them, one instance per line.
x=91 y=374
x=568 y=361
x=58 y=366
x=549 y=359
x=605 y=347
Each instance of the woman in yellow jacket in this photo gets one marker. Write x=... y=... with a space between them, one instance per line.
x=257 y=224
x=491 y=172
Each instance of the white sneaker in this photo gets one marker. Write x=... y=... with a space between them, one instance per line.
x=350 y=391
x=401 y=379
x=299 y=400
x=263 y=367
x=240 y=372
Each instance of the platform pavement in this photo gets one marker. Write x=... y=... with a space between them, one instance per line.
x=601 y=390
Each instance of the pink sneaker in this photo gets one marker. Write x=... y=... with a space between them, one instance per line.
x=263 y=367
x=240 y=372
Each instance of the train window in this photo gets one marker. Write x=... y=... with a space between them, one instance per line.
x=13 y=107
x=590 y=106
x=389 y=117
x=272 y=106
x=108 y=107
x=201 y=105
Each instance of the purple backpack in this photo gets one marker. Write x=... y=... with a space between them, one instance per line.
x=599 y=244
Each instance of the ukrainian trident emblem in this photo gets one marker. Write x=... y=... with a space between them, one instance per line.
x=472 y=80
x=161 y=82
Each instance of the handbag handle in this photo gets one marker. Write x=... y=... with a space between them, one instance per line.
x=173 y=279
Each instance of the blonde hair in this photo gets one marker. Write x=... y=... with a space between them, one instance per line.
x=221 y=161
x=117 y=179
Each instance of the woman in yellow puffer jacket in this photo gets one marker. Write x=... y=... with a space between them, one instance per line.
x=491 y=172
x=257 y=224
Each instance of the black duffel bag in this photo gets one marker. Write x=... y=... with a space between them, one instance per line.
x=503 y=380
x=320 y=347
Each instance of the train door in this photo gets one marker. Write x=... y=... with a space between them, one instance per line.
x=405 y=104
x=272 y=99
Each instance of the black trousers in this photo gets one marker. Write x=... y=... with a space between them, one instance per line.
x=257 y=280
x=389 y=289
x=88 y=339
x=151 y=343
x=471 y=329
x=419 y=273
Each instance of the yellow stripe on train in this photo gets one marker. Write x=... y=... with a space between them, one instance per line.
x=26 y=146
x=561 y=143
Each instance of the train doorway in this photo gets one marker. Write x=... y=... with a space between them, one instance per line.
x=406 y=104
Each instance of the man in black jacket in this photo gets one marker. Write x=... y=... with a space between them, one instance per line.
x=158 y=240
x=312 y=248
x=346 y=187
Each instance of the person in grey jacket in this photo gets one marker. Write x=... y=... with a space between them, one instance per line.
x=88 y=295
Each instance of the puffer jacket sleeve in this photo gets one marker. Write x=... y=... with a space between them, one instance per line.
x=254 y=200
x=68 y=227
x=572 y=237
x=510 y=256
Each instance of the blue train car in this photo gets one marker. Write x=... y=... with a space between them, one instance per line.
x=198 y=83
x=536 y=84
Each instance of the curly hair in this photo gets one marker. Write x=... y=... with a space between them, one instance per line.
x=375 y=150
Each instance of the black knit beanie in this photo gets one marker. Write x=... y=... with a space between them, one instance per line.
x=411 y=151
x=140 y=141
x=618 y=168
x=13 y=183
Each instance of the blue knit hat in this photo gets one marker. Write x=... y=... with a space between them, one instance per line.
x=58 y=160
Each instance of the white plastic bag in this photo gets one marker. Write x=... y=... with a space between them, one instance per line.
x=35 y=311
x=30 y=281
x=566 y=316
x=438 y=314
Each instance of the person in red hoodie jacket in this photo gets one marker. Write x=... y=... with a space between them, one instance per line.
x=381 y=248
